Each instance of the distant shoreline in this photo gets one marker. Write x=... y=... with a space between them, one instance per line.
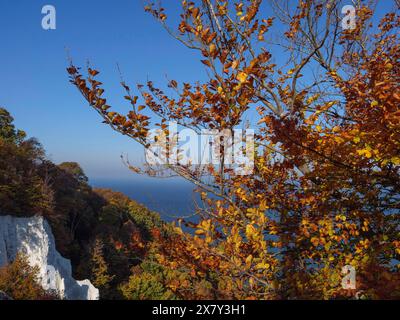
x=171 y=198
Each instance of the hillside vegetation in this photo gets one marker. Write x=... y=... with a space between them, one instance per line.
x=108 y=237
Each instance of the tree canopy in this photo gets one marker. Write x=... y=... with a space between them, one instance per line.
x=325 y=189
x=104 y=233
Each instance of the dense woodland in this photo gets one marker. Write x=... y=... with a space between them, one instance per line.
x=108 y=237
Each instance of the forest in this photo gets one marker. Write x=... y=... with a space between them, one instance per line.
x=110 y=239
x=320 y=88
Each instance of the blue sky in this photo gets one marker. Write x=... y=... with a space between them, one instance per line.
x=34 y=84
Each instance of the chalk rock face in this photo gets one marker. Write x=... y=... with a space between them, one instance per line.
x=33 y=237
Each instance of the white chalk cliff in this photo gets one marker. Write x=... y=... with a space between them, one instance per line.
x=33 y=237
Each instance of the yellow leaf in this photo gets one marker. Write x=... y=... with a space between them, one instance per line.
x=242 y=77
x=365 y=152
x=249 y=259
x=312 y=99
x=235 y=64
x=251 y=282
x=212 y=48
x=263 y=265
x=395 y=161
x=250 y=231
x=374 y=103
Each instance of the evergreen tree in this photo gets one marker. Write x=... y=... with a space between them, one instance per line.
x=101 y=277
x=7 y=128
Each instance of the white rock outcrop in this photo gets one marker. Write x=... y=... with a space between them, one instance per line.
x=33 y=237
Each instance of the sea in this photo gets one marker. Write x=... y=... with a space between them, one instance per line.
x=172 y=198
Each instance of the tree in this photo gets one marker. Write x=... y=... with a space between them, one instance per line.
x=22 y=190
x=325 y=189
x=7 y=129
x=102 y=232
x=75 y=170
x=20 y=281
x=101 y=278
x=147 y=283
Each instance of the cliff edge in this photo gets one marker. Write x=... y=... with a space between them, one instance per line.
x=33 y=237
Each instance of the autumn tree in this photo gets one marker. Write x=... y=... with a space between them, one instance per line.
x=100 y=276
x=324 y=102
x=22 y=190
x=147 y=282
x=104 y=233
x=20 y=281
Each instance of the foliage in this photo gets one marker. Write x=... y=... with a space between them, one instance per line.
x=103 y=233
x=75 y=170
x=325 y=188
x=100 y=275
x=121 y=207
x=147 y=282
x=21 y=187
x=127 y=230
x=7 y=129
x=20 y=281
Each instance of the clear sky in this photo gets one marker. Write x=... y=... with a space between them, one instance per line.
x=34 y=85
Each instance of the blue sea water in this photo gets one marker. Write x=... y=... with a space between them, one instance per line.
x=171 y=198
